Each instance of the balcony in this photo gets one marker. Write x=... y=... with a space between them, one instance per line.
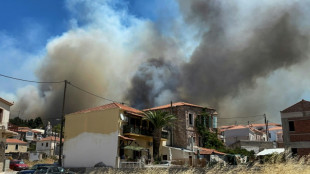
x=142 y=131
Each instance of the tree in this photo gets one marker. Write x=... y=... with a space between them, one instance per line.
x=158 y=119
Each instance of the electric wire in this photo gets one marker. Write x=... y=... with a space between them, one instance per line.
x=31 y=81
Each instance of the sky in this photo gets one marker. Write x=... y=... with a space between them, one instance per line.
x=202 y=51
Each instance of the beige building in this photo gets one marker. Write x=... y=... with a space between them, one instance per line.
x=112 y=134
x=15 y=145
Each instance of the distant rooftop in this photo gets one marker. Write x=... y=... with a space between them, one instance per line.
x=111 y=106
x=174 y=105
x=301 y=106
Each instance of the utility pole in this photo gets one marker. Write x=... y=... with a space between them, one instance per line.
x=267 y=131
x=266 y=123
x=62 y=124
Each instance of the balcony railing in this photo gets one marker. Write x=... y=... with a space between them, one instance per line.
x=142 y=131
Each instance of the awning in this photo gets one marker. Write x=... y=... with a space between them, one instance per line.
x=136 y=148
x=270 y=151
x=126 y=138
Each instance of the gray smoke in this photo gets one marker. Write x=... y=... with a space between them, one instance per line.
x=241 y=47
x=155 y=83
x=224 y=66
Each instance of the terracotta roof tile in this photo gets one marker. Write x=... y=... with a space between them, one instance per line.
x=275 y=128
x=174 y=105
x=111 y=106
x=303 y=105
x=14 y=141
x=205 y=151
x=51 y=138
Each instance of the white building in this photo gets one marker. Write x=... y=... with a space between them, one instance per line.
x=273 y=133
x=4 y=112
x=233 y=134
x=4 y=132
x=48 y=145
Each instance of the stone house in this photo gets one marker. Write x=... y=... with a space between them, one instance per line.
x=184 y=134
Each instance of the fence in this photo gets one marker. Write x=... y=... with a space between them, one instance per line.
x=187 y=162
x=126 y=164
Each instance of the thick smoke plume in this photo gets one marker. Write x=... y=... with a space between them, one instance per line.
x=154 y=83
x=239 y=51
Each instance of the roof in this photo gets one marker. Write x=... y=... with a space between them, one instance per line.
x=275 y=128
x=111 y=106
x=237 y=127
x=174 y=105
x=205 y=151
x=14 y=141
x=270 y=151
x=51 y=138
x=6 y=102
x=301 y=106
x=263 y=124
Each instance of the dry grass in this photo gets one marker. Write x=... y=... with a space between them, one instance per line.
x=276 y=164
x=43 y=161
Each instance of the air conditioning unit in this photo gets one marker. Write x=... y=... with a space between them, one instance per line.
x=150 y=143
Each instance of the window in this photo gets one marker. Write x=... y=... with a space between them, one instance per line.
x=16 y=147
x=291 y=125
x=42 y=144
x=165 y=157
x=6 y=146
x=46 y=144
x=1 y=115
x=294 y=151
x=190 y=119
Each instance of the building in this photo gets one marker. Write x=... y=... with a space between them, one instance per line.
x=15 y=145
x=183 y=134
x=113 y=134
x=295 y=122
x=234 y=133
x=48 y=146
x=4 y=132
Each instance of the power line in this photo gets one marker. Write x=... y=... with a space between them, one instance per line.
x=253 y=116
x=32 y=81
x=92 y=93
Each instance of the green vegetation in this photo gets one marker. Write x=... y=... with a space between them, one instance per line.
x=210 y=139
x=32 y=123
x=159 y=119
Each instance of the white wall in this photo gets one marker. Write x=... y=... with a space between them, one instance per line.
x=88 y=149
x=273 y=134
x=6 y=114
x=233 y=135
x=47 y=150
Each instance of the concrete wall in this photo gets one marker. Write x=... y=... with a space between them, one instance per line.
x=176 y=153
x=233 y=135
x=257 y=146
x=11 y=148
x=91 y=138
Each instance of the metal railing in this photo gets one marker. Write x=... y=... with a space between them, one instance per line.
x=142 y=131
